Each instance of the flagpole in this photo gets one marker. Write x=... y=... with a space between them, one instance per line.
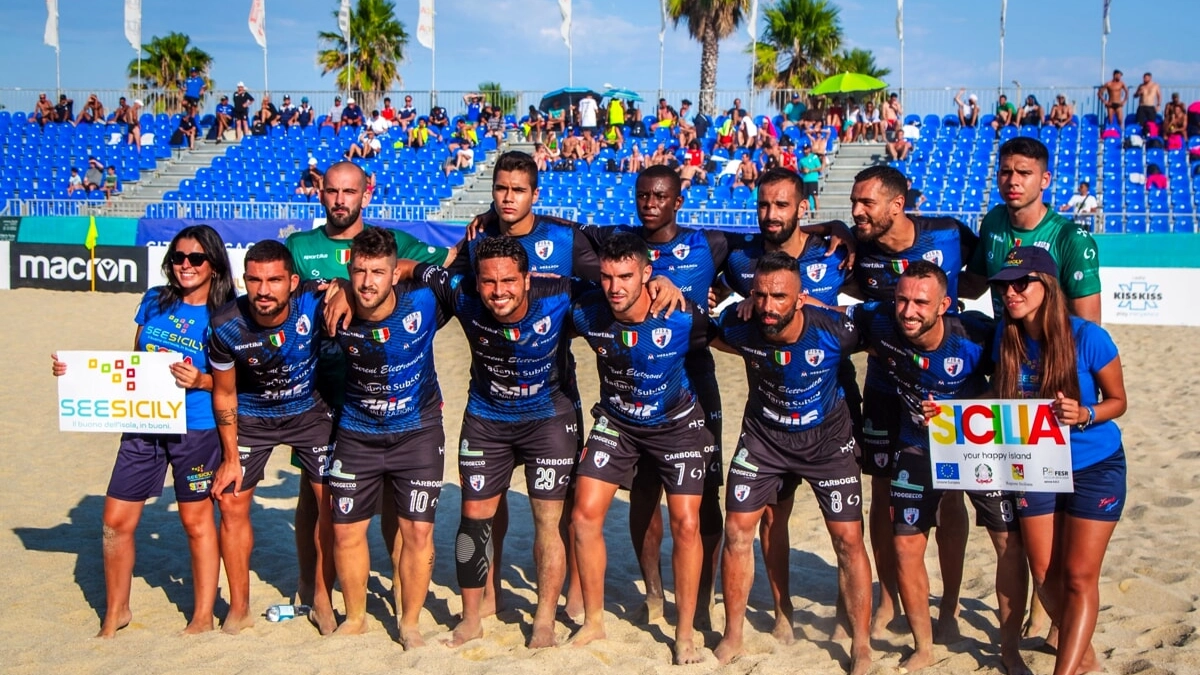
x=900 y=35
x=57 y=71
x=570 y=63
x=1003 y=12
x=266 y=88
x=661 y=53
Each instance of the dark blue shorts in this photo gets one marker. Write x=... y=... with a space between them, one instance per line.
x=881 y=413
x=1099 y=493
x=142 y=462
x=411 y=462
x=490 y=450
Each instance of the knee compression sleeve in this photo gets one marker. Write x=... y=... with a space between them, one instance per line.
x=473 y=552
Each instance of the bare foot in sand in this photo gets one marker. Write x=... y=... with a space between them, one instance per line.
x=351 y=627
x=574 y=607
x=916 y=661
x=784 y=631
x=543 y=636
x=652 y=610
x=589 y=633
x=1033 y=627
x=410 y=637
x=326 y=621
x=685 y=653
x=881 y=622
x=198 y=626
x=860 y=663
x=1052 y=638
x=1013 y=663
x=1091 y=662
x=945 y=631
x=114 y=623
x=466 y=631
x=236 y=622
x=730 y=648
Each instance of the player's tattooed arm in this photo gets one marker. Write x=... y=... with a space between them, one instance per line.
x=227 y=417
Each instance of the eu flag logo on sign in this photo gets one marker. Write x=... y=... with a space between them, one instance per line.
x=947 y=470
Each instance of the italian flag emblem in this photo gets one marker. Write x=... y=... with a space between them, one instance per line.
x=277 y=339
x=783 y=358
x=512 y=334
x=653 y=254
x=629 y=338
x=381 y=334
x=898 y=266
x=921 y=361
x=343 y=256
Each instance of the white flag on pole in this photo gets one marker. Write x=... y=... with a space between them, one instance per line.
x=1003 y=16
x=662 y=32
x=425 y=24
x=51 y=36
x=564 y=6
x=133 y=23
x=258 y=22
x=344 y=19
x=1107 y=25
x=900 y=20
x=752 y=24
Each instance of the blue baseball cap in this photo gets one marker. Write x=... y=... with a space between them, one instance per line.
x=1025 y=260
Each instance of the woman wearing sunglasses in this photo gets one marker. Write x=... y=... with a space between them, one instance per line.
x=1044 y=352
x=174 y=318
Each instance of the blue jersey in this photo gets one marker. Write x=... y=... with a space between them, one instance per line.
x=194 y=86
x=955 y=369
x=792 y=386
x=224 y=109
x=517 y=369
x=690 y=260
x=1094 y=349
x=553 y=247
x=642 y=379
x=391 y=383
x=821 y=276
x=276 y=367
x=181 y=329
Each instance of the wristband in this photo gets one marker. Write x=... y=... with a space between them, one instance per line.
x=1090 y=420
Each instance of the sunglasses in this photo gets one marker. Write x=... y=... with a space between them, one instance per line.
x=1018 y=285
x=196 y=259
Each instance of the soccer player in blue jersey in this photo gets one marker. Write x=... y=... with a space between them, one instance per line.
x=648 y=407
x=517 y=413
x=263 y=352
x=927 y=354
x=795 y=427
x=174 y=318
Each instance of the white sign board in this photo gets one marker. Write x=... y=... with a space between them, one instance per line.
x=120 y=391
x=1153 y=296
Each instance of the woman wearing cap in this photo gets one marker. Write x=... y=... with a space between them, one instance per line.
x=1044 y=352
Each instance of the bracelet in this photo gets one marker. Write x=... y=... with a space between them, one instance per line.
x=1091 y=418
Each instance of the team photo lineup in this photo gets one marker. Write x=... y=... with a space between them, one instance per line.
x=330 y=352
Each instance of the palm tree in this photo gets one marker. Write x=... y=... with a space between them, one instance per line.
x=860 y=61
x=799 y=45
x=496 y=96
x=167 y=64
x=708 y=21
x=377 y=39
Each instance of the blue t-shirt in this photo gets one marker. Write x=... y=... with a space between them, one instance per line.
x=194 y=86
x=1094 y=349
x=473 y=111
x=180 y=329
x=792 y=386
x=821 y=276
x=352 y=114
x=224 y=109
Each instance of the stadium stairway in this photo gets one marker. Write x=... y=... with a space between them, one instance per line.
x=839 y=179
x=474 y=196
x=183 y=165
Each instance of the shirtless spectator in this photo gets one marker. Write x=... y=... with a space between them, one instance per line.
x=133 y=119
x=92 y=113
x=1113 y=95
x=665 y=117
x=589 y=146
x=818 y=137
x=692 y=169
x=542 y=157
x=747 y=171
x=1031 y=112
x=1149 y=97
x=635 y=161
x=899 y=147
x=43 y=110
x=766 y=132
x=1174 y=118
x=223 y=116
x=893 y=113
x=1006 y=114
x=968 y=111
x=570 y=145
x=311 y=179
x=1060 y=113
x=119 y=114
x=661 y=156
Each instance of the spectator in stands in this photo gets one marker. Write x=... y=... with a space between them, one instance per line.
x=74 y=182
x=43 y=110
x=542 y=157
x=692 y=170
x=222 y=118
x=378 y=123
x=913 y=198
x=613 y=138
x=418 y=136
x=1113 y=95
x=727 y=133
x=589 y=113
x=111 y=185
x=388 y=112
x=268 y=114
x=133 y=119
x=836 y=114
x=633 y=116
x=352 y=116
x=1174 y=121
x=870 y=124
x=193 y=90
x=311 y=179
x=893 y=113
x=438 y=121
x=809 y=168
x=635 y=161
x=241 y=111
x=94 y=178
x=462 y=156
x=899 y=147
x=1006 y=114
x=334 y=118
x=968 y=111
x=92 y=113
x=474 y=102
x=747 y=132
x=287 y=112
x=771 y=156
x=686 y=123
x=666 y=117
x=407 y=115
x=819 y=136
x=589 y=146
x=119 y=114
x=304 y=114
x=850 y=120
x=1031 y=112
x=1081 y=203
x=661 y=156
x=1149 y=97
x=368 y=146
x=793 y=112
x=186 y=131
x=737 y=107
x=496 y=125
x=464 y=136
x=766 y=131
x=1060 y=113
x=747 y=171
x=64 y=111
x=534 y=125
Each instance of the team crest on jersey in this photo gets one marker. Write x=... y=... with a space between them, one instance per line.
x=629 y=338
x=542 y=326
x=303 y=326
x=345 y=504
x=412 y=322
x=600 y=458
x=783 y=358
x=911 y=515
x=815 y=357
x=277 y=339
x=381 y=335
x=653 y=254
x=544 y=249
x=681 y=251
x=815 y=272
x=898 y=266
x=343 y=256
x=934 y=256
x=511 y=334
x=741 y=492
x=953 y=365
x=477 y=480
x=661 y=337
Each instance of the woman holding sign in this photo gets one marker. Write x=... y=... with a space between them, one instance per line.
x=1044 y=352
x=174 y=318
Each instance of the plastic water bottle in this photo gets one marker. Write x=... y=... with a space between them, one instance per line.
x=276 y=613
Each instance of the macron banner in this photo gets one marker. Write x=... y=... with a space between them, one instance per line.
x=987 y=445
x=61 y=267
x=120 y=391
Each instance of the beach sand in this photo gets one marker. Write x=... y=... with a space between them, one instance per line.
x=52 y=491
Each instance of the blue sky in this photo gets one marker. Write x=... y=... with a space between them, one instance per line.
x=516 y=42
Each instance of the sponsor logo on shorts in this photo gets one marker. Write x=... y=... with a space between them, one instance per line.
x=911 y=515
x=544 y=248
x=335 y=471
x=1109 y=503
x=661 y=337
x=345 y=504
x=601 y=426
x=472 y=463
x=412 y=322
x=343 y=485
x=952 y=365
x=476 y=481
x=734 y=471
x=834 y=482
x=902 y=482
x=689 y=454
x=983 y=474
x=600 y=458
x=904 y=495
x=741 y=492
x=947 y=470
x=304 y=325
x=464 y=450
x=741 y=458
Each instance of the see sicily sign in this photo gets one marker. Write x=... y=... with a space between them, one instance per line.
x=992 y=445
x=120 y=391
